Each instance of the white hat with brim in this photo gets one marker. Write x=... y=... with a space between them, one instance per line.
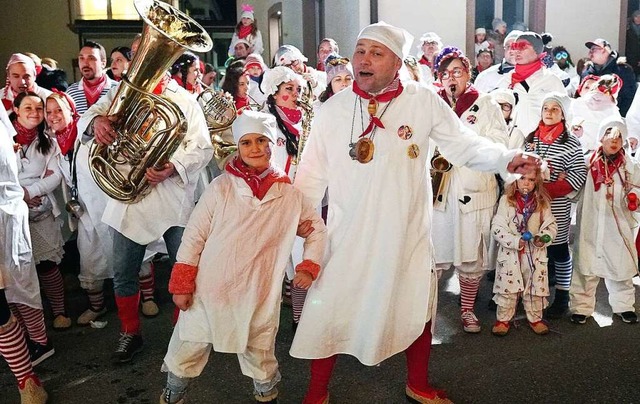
x=612 y=122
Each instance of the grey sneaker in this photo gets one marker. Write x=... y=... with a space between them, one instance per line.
x=171 y=397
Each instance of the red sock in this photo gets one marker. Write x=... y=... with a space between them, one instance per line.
x=147 y=283
x=33 y=321
x=418 y=361
x=53 y=286
x=321 y=370
x=13 y=348
x=128 y=313
x=468 y=292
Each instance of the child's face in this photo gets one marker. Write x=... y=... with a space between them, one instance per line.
x=255 y=150
x=526 y=183
x=246 y=21
x=611 y=145
x=551 y=113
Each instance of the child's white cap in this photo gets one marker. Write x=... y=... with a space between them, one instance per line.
x=503 y=96
x=612 y=122
x=247 y=12
x=274 y=77
x=254 y=122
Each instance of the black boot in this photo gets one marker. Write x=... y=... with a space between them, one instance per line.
x=559 y=306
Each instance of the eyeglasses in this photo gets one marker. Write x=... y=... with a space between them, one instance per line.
x=505 y=106
x=455 y=73
x=561 y=55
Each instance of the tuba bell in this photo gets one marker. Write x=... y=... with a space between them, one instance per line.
x=149 y=128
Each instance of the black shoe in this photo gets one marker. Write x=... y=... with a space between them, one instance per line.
x=294 y=327
x=491 y=275
x=578 y=319
x=128 y=346
x=629 y=317
x=559 y=306
x=38 y=352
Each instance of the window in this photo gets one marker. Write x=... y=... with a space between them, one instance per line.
x=511 y=11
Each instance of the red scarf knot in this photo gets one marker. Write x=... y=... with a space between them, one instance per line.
x=92 y=91
x=549 y=133
x=259 y=181
x=603 y=167
x=66 y=137
x=390 y=92
x=523 y=72
x=162 y=85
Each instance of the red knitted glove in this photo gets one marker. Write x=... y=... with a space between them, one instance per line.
x=183 y=279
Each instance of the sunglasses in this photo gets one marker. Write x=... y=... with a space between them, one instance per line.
x=455 y=73
x=561 y=55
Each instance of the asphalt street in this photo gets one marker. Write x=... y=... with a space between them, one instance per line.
x=594 y=363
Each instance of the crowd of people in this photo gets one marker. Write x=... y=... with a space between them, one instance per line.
x=341 y=173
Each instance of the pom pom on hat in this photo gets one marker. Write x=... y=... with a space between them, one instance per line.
x=247 y=12
x=562 y=99
x=24 y=59
x=287 y=54
x=534 y=39
x=398 y=40
x=274 y=77
x=612 y=122
x=336 y=64
x=250 y=121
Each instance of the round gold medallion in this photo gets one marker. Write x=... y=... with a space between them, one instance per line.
x=413 y=151
x=364 y=150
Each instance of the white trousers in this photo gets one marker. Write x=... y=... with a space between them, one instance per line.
x=187 y=360
x=622 y=294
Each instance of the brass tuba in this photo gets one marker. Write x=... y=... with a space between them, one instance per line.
x=219 y=110
x=149 y=128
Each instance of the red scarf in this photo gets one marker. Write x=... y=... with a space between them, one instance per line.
x=424 y=61
x=530 y=204
x=24 y=136
x=290 y=117
x=549 y=134
x=465 y=101
x=523 y=72
x=241 y=102
x=603 y=167
x=92 y=91
x=244 y=31
x=67 y=137
x=259 y=181
x=197 y=89
x=6 y=102
x=386 y=95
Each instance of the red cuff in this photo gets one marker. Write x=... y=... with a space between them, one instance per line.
x=183 y=279
x=558 y=188
x=309 y=266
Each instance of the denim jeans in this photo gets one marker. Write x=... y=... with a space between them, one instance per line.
x=128 y=256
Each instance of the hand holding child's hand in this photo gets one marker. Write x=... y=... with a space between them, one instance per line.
x=305 y=228
x=183 y=301
x=302 y=279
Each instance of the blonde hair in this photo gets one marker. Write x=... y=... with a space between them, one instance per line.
x=543 y=200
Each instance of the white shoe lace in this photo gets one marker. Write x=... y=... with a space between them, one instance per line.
x=124 y=342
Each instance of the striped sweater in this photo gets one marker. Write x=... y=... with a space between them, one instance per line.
x=76 y=92
x=565 y=158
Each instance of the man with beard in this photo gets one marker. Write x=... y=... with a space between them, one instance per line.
x=92 y=61
x=21 y=77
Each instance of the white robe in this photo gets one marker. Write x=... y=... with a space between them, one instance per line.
x=605 y=231
x=17 y=268
x=375 y=293
x=462 y=220
x=170 y=202
x=240 y=245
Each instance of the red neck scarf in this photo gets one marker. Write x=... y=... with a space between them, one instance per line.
x=197 y=89
x=259 y=181
x=548 y=134
x=24 y=136
x=67 y=137
x=290 y=117
x=424 y=61
x=244 y=31
x=529 y=203
x=603 y=167
x=92 y=91
x=523 y=72
x=6 y=102
x=386 y=95
x=241 y=102
x=465 y=101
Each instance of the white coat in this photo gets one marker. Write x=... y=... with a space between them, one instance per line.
x=170 y=202
x=374 y=295
x=605 y=230
x=462 y=220
x=17 y=268
x=589 y=111
x=511 y=263
x=526 y=113
x=241 y=245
